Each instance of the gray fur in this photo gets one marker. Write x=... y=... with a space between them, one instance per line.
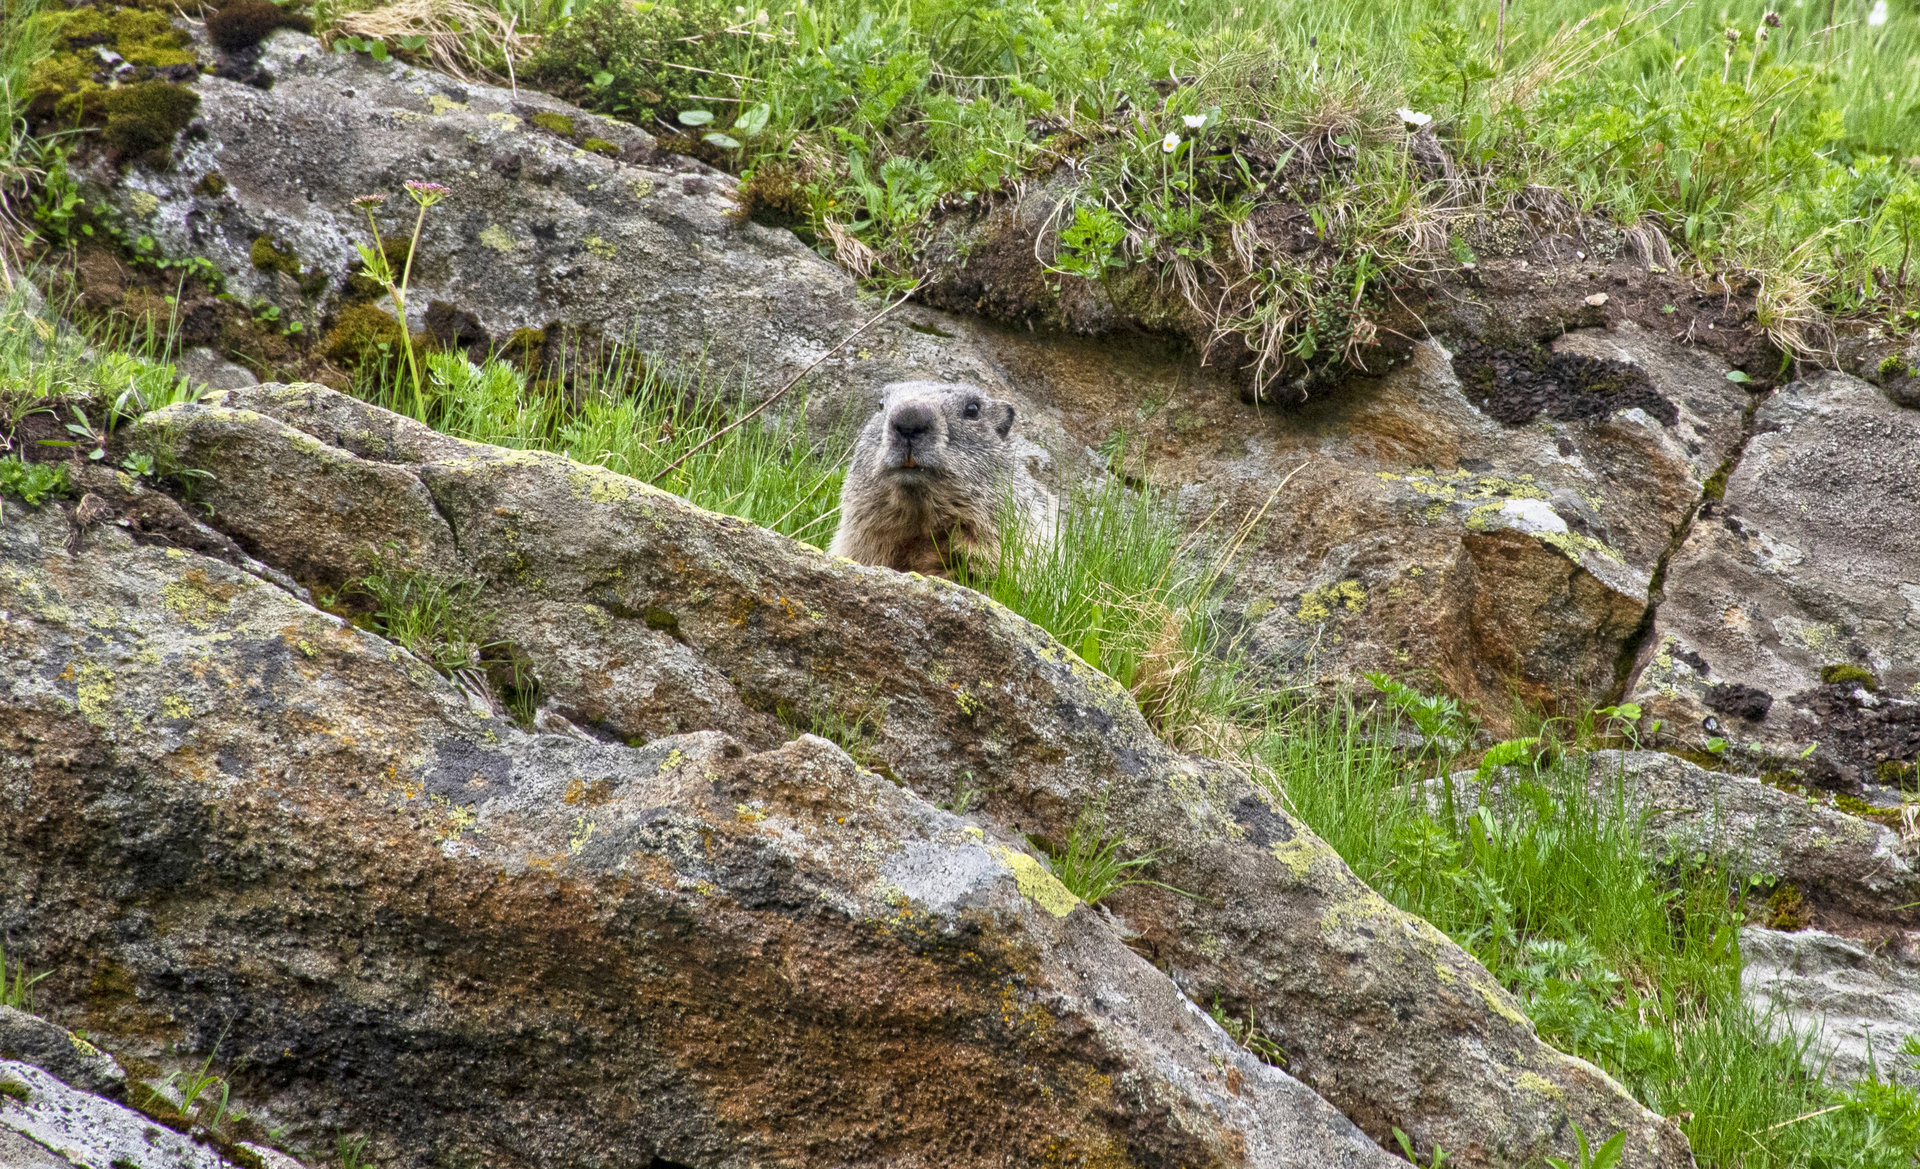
x=926 y=481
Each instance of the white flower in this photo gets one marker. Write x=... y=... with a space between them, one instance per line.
x=1194 y=121
x=1413 y=117
x=1170 y=143
x=1878 y=15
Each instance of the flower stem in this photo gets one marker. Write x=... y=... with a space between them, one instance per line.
x=400 y=304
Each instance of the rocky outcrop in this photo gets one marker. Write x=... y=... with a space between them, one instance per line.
x=1854 y=869
x=1379 y=1012
x=1790 y=620
x=252 y=819
x=1855 y=1004
x=1423 y=529
x=48 y=1124
x=555 y=218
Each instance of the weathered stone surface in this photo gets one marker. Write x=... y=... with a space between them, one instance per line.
x=1839 y=862
x=621 y=240
x=1810 y=561
x=1858 y=1001
x=1377 y=1010
x=238 y=816
x=31 y=1039
x=1416 y=533
x=61 y=1127
x=1851 y=872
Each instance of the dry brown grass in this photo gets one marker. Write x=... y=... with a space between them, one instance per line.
x=466 y=40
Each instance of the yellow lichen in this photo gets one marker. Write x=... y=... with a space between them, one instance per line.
x=1500 y=1004
x=582 y=832
x=94 y=692
x=1036 y=884
x=1535 y=1082
x=601 y=248
x=496 y=237
x=143 y=204
x=174 y=706
x=440 y=105
x=1321 y=603
x=1296 y=854
x=599 y=484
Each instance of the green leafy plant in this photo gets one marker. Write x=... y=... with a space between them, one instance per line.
x=1607 y=1156
x=33 y=483
x=436 y=618
x=1438 y=1160
x=1090 y=864
x=377 y=267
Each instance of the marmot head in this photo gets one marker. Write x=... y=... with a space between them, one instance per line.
x=930 y=430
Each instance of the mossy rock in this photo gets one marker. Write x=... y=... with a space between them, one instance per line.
x=268 y=257
x=638 y=49
x=241 y=24
x=360 y=333
x=601 y=146
x=1848 y=674
x=143 y=120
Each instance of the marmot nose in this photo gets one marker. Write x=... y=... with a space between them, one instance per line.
x=910 y=422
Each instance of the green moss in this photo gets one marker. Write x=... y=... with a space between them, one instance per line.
x=144 y=119
x=554 y=123
x=360 y=333
x=16 y=1090
x=268 y=258
x=1845 y=673
x=1715 y=488
x=1893 y=364
x=1786 y=910
x=211 y=185
x=1894 y=772
x=601 y=146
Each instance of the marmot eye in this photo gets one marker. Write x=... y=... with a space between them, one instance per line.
x=973 y=409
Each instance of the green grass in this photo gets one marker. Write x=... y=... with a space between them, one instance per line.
x=637 y=419
x=16 y=986
x=854 y=120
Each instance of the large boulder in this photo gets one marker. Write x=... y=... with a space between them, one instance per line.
x=1382 y=1014
x=555 y=218
x=1437 y=521
x=248 y=824
x=1790 y=619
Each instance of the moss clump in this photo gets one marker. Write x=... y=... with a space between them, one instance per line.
x=1893 y=365
x=242 y=24
x=268 y=258
x=553 y=123
x=212 y=185
x=1894 y=772
x=1786 y=910
x=63 y=86
x=1847 y=674
x=144 y=119
x=361 y=333
x=776 y=194
x=16 y=1090
x=601 y=146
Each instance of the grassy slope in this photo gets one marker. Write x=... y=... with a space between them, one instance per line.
x=890 y=107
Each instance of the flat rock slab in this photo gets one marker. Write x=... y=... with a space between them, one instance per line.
x=1859 y=1004
x=1378 y=1011
x=1811 y=561
x=258 y=824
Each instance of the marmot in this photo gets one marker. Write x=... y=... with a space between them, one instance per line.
x=930 y=472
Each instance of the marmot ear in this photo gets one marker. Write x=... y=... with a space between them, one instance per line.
x=1004 y=423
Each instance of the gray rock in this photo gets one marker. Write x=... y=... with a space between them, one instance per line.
x=1850 y=869
x=1858 y=1003
x=1852 y=865
x=204 y=367
x=632 y=243
x=31 y=1039
x=477 y=944
x=1381 y=1013
x=76 y=1128
x=1811 y=560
